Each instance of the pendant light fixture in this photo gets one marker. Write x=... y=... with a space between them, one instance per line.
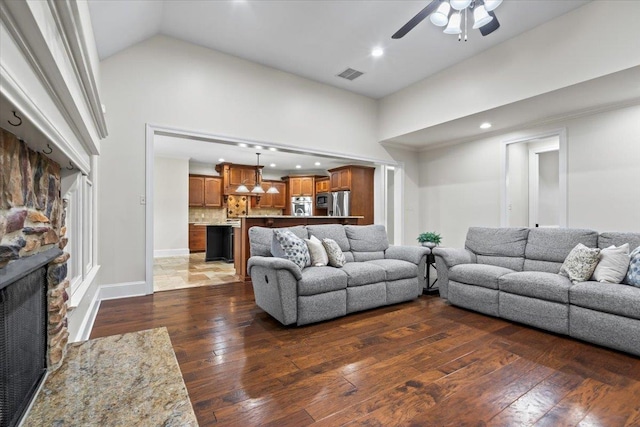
x=258 y=187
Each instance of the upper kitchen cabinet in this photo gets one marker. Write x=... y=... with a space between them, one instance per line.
x=359 y=181
x=268 y=200
x=300 y=186
x=205 y=191
x=322 y=185
x=340 y=178
x=235 y=175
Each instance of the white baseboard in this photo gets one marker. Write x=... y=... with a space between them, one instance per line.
x=122 y=290
x=90 y=317
x=164 y=253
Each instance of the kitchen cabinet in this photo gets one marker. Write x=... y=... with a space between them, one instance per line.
x=359 y=181
x=235 y=175
x=205 y=191
x=276 y=201
x=340 y=179
x=197 y=238
x=301 y=186
x=322 y=185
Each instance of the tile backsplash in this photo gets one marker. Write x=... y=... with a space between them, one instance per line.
x=208 y=215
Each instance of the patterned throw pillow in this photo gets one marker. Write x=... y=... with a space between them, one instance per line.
x=580 y=263
x=319 y=257
x=613 y=264
x=336 y=257
x=633 y=274
x=295 y=249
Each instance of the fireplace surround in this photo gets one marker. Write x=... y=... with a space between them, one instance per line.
x=32 y=239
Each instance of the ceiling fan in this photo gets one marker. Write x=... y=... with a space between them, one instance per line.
x=450 y=13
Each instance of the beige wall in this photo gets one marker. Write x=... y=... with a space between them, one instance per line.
x=166 y=82
x=171 y=206
x=460 y=185
x=570 y=49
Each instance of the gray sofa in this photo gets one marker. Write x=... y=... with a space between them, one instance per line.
x=375 y=274
x=513 y=273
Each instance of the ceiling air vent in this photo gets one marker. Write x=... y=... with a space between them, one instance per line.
x=350 y=74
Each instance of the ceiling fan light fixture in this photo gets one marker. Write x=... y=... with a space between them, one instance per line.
x=490 y=5
x=480 y=17
x=454 y=24
x=460 y=4
x=440 y=17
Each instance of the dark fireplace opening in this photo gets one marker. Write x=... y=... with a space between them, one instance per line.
x=23 y=342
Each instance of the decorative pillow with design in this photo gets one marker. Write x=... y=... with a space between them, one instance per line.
x=336 y=257
x=613 y=264
x=633 y=274
x=294 y=248
x=319 y=257
x=580 y=263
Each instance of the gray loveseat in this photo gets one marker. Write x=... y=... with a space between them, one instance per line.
x=513 y=273
x=375 y=274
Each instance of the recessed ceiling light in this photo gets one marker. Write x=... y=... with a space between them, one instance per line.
x=243 y=145
x=317 y=163
x=485 y=125
x=273 y=149
x=258 y=147
x=376 y=52
x=221 y=159
x=298 y=166
x=273 y=165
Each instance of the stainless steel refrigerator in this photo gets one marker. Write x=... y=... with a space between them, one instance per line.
x=339 y=204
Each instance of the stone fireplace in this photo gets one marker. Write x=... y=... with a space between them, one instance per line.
x=32 y=236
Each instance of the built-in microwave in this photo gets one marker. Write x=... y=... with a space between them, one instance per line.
x=322 y=200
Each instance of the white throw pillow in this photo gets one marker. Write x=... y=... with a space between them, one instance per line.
x=580 y=263
x=319 y=257
x=335 y=254
x=613 y=264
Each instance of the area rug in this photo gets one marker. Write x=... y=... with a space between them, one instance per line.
x=121 y=380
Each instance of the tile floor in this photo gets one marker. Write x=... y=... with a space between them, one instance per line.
x=189 y=271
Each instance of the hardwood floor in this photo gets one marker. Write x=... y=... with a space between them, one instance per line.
x=422 y=363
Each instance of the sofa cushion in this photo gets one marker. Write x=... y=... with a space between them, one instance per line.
x=367 y=238
x=318 y=280
x=363 y=273
x=580 y=263
x=552 y=245
x=396 y=269
x=293 y=248
x=613 y=264
x=536 y=284
x=622 y=300
x=331 y=231
x=503 y=247
x=318 y=253
x=478 y=274
x=260 y=238
x=609 y=238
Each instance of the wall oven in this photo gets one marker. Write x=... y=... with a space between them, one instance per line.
x=301 y=206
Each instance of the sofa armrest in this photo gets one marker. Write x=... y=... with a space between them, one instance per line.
x=454 y=256
x=413 y=254
x=275 y=264
x=445 y=259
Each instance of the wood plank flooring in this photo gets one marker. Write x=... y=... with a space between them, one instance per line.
x=422 y=363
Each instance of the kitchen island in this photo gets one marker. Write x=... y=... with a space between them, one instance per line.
x=241 y=235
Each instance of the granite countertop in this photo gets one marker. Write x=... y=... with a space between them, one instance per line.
x=121 y=380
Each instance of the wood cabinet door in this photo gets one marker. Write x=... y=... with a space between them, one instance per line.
x=196 y=191
x=306 y=185
x=295 y=187
x=335 y=181
x=249 y=177
x=345 y=179
x=197 y=238
x=279 y=201
x=322 y=186
x=212 y=192
x=235 y=177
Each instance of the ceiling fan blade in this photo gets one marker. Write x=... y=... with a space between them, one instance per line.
x=416 y=19
x=491 y=26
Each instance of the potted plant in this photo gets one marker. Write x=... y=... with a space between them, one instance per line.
x=430 y=239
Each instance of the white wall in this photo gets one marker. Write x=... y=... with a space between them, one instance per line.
x=167 y=82
x=460 y=185
x=570 y=49
x=548 y=188
x=170 y=207
x=208 y=169
x=518 y=187
x=410 y=209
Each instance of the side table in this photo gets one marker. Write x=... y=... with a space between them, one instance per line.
x=431 y=262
